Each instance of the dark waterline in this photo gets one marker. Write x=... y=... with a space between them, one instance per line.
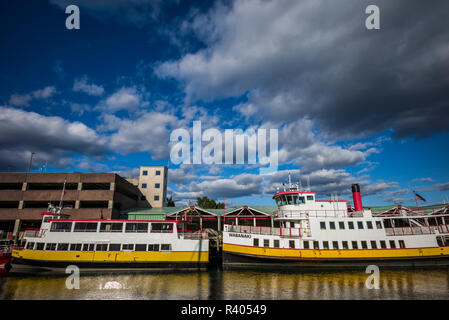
x=233 y=284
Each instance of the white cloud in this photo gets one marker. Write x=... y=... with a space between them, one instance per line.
x=126 y=98
x=53 y=139
x=23 y=100
x=81 y=85
x=20 y=100
x=148 y=133
x=79 y=108
x=45 y=93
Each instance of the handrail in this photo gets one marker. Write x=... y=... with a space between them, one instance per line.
x=405 y=231
x=193 y=235
x=275 y=231
x=34 y=233
x=443 y=228
x=295 y=214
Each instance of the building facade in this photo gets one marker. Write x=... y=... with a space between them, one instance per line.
x=24 y=196
x=152 y=183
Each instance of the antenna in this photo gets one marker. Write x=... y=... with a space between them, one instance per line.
x=308 y=184
x=289 y=180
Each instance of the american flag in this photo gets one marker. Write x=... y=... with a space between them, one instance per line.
x=418 y=197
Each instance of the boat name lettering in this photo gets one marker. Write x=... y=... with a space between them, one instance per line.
x=240 y=235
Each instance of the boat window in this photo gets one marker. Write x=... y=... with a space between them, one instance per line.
x=379 y=224
x=46 y=219
x=283 y=200
x=341 y=225
x=162 y=227
x=266 y=242
x=369 y=224
x=88 y=246
x=136 y=227
x=323 y=225
x=85 y=227
x=276 y=243
x=292 y=244
x=75 y=247
x=316 y=245
x=128 y=246
x=50 y=246
x=401 y=244
x=166 y=247
x=255 y=242
x=141 y=247
x=114 y=247
x=290 y=200
x=301 y=200
x=360 y=224
x=345 y=244
x=325 y=244
x=383 y=245
x=392 y=244
x=332 y=225
x=153 y=247
x=354 y=245
x=63 y=246
x=40 y=245
x=350 y=225
x=111 y=227
x=60 y=226
x=335 y=244
x=309 y=197
x=30 y=245
x=101 y=247
x=364 y=245
x=278 y=201
x=295 y=199
x=373 y=245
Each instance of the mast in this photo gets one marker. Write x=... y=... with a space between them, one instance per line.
x=62 y=194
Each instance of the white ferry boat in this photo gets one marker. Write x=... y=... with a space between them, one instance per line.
x=328 y=233
x=61 y=241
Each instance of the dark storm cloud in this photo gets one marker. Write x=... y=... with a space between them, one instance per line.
x=53 y=139
x=316 y=59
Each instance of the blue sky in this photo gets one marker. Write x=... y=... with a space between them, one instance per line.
x=350 y=104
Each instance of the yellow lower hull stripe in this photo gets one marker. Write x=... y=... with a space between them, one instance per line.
x=109 y=256
x=336 y=254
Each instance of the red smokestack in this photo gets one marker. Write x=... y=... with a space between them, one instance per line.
x=356 y=196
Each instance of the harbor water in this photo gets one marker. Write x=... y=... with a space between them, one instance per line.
x=232 y=284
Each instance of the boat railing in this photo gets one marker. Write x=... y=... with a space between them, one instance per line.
x=304 y=214
x=443 y=228
x=34 y=233
x=193 y=235
x=273 y=231
x=409 y=231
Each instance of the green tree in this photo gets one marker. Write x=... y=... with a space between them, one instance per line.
x=207 y=203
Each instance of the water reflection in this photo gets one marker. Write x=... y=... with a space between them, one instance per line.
x=232 y=284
